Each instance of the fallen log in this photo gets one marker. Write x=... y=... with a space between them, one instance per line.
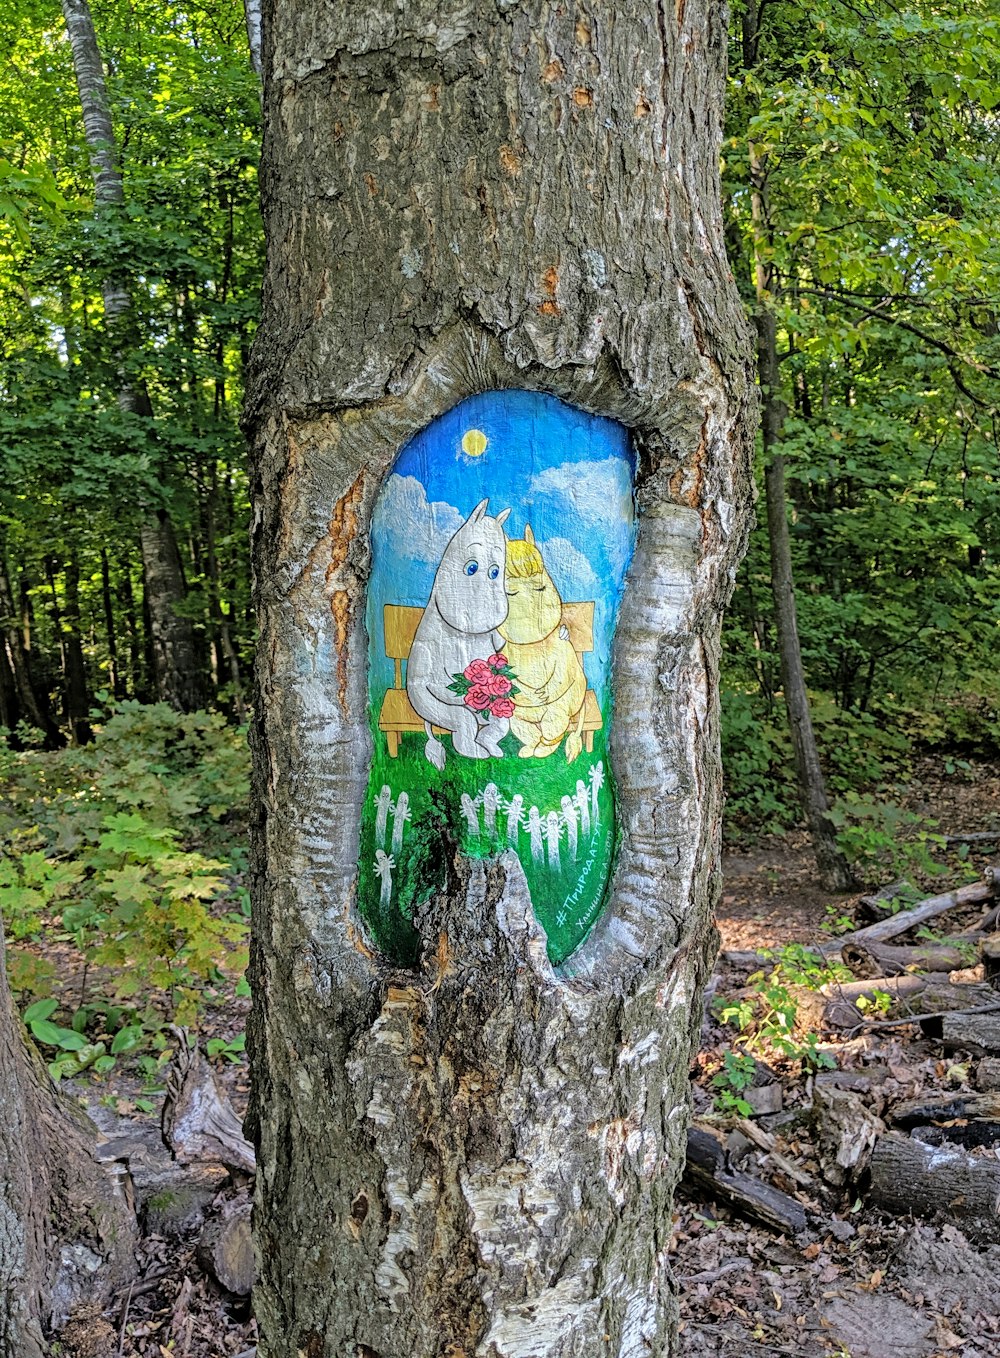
x=747 y=961
x=924 y=910
x=707 y=1169
x=846 y=1130
x=917 y=995
x=882 y=959
x=989 y=954
x=909 y=1176
x=971 y=1032
x=974 y=837
x=987 y=1075
x=946 y=1108
x=878 y=905
x=198 y=1121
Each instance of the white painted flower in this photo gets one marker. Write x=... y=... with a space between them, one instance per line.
x=470 y=812
x=384 y=865
x=582 y=800
x=383 y=805
x=401 y=813
x=569 y=820
x=535 y=831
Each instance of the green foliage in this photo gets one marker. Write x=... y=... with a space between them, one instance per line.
x=766 y=1016
x=879 y=1002
x=107 y=855
x=77 y=473
x=865 y=140
x=735 y=1076
x=884 y=841
x=232 y=1051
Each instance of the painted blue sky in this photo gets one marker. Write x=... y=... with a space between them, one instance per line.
x=567 y=473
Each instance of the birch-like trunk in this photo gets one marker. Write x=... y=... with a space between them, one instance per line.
x=478 y=1156
x=177 y=670
x=66 y=1231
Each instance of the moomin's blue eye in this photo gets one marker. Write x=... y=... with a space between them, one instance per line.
x=471 y=567
x=493 y=572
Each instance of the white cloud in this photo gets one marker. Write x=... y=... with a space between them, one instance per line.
x=599 y=494
x=573 y=574
x=411 y=528
x=597 y=490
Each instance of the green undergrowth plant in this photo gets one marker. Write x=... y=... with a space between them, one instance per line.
x=883 y=840
x=128 y=854
x=766 y=1015
x=861 y=751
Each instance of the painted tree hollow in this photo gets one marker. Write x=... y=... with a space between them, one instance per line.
x=500 y=544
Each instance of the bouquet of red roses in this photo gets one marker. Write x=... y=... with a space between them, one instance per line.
x=487 y=686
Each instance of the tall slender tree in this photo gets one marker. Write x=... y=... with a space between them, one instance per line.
x=178 y=675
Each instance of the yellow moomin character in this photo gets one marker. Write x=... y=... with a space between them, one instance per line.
x=552 y=685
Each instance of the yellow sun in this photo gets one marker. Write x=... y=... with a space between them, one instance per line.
x=474 y=443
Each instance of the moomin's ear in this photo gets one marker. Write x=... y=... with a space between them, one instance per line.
x=478 y=512
x=502 y=516
x=528 y=534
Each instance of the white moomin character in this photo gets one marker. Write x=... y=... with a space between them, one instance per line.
x=491 y=801
x=582 y=800
x=459 y=625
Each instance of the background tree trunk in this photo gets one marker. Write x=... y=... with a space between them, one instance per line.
x=32 y=704
x=834 y=872
x=177 y=671
x=66 y=1232
x=77 y=688
x=478 y=1155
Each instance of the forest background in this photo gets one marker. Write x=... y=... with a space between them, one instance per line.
x=861 y=182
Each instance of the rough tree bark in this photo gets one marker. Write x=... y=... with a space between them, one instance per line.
x=31 y=702
x=478 y=1155
x=834 y=870
x=75 y=667
x=177 y=672
x=66 y=1231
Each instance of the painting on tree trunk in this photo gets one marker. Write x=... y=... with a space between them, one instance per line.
x=500 y=543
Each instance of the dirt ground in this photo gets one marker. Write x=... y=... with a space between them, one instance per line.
x=855 y=1283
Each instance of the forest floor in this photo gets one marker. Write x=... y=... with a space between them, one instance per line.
x=855 y=1282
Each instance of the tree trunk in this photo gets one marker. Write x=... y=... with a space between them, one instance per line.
x=33 y=704
x=476 y=1153
x=77 y=693
x=10 y=712
x=834 y=872
x=220 y=618
x=110 y=630
x=66 y=1232
x=137 y=680
x=177 y=672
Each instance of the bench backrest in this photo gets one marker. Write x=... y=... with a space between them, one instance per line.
x=400 y=623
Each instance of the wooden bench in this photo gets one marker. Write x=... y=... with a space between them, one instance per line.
x=400 y=623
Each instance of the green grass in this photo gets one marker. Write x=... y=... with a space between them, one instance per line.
x=438 y=822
